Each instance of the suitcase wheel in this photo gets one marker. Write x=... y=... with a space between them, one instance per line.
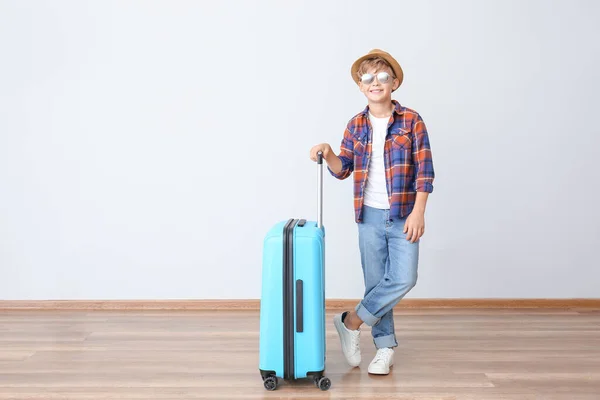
x=270 y=383
x=323 y=383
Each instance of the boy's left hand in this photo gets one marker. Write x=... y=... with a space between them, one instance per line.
x=414 y=227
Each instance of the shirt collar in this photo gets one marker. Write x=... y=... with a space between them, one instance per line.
x=398 y=109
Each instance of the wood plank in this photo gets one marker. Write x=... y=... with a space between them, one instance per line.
x=15 y=355
x=331 y=304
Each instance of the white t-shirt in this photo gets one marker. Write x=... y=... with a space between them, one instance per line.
x=376 y=194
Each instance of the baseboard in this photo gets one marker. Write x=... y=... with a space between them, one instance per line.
x=254 y=304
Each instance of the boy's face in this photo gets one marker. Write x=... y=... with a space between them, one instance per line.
x=378 y=91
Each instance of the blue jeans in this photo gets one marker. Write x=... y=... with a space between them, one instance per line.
x=389 y=264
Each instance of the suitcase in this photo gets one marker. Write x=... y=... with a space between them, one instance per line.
x=292 y=304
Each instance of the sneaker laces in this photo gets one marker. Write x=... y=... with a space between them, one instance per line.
x=383 y=354
x=354 y=341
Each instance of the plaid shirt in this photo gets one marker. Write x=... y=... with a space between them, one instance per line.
x=407 y=155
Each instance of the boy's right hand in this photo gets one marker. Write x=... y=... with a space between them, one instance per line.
x=325 y=148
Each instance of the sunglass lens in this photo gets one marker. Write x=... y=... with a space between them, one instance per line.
x=367 y=79
x=383 y=77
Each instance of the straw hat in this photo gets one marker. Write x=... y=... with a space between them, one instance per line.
x=378 y=53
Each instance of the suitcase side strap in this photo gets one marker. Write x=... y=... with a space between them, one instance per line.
x=299 y=306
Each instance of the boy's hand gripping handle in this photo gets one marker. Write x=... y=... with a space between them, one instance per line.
x=320 y=190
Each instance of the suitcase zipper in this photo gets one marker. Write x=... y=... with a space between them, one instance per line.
x=288 y=299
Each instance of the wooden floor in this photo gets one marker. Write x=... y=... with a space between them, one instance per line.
x=443 y=354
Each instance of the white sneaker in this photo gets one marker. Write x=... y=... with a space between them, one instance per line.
x=382 y=362
x=350 y=341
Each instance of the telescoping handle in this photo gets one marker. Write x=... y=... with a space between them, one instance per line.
x=320 y=190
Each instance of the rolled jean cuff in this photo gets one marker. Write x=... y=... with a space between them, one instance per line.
x=385 y=341
x=365 y=315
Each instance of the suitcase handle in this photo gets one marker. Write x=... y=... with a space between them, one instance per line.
x=320 y=190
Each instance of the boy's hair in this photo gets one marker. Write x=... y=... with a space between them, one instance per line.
x=376 y=62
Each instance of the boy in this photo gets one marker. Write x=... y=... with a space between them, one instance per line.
x=387 y=148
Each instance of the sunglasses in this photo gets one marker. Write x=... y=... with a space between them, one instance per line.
x=382 y=77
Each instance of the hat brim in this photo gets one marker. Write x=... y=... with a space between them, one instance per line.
x=396 y=68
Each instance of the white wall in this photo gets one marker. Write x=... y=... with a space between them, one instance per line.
x=146 y=147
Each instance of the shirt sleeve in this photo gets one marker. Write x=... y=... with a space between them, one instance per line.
x=346 y=156
x=424 y=172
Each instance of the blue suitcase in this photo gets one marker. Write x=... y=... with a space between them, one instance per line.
x=292 y=305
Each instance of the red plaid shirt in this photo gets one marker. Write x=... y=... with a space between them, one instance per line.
x=407 y=155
